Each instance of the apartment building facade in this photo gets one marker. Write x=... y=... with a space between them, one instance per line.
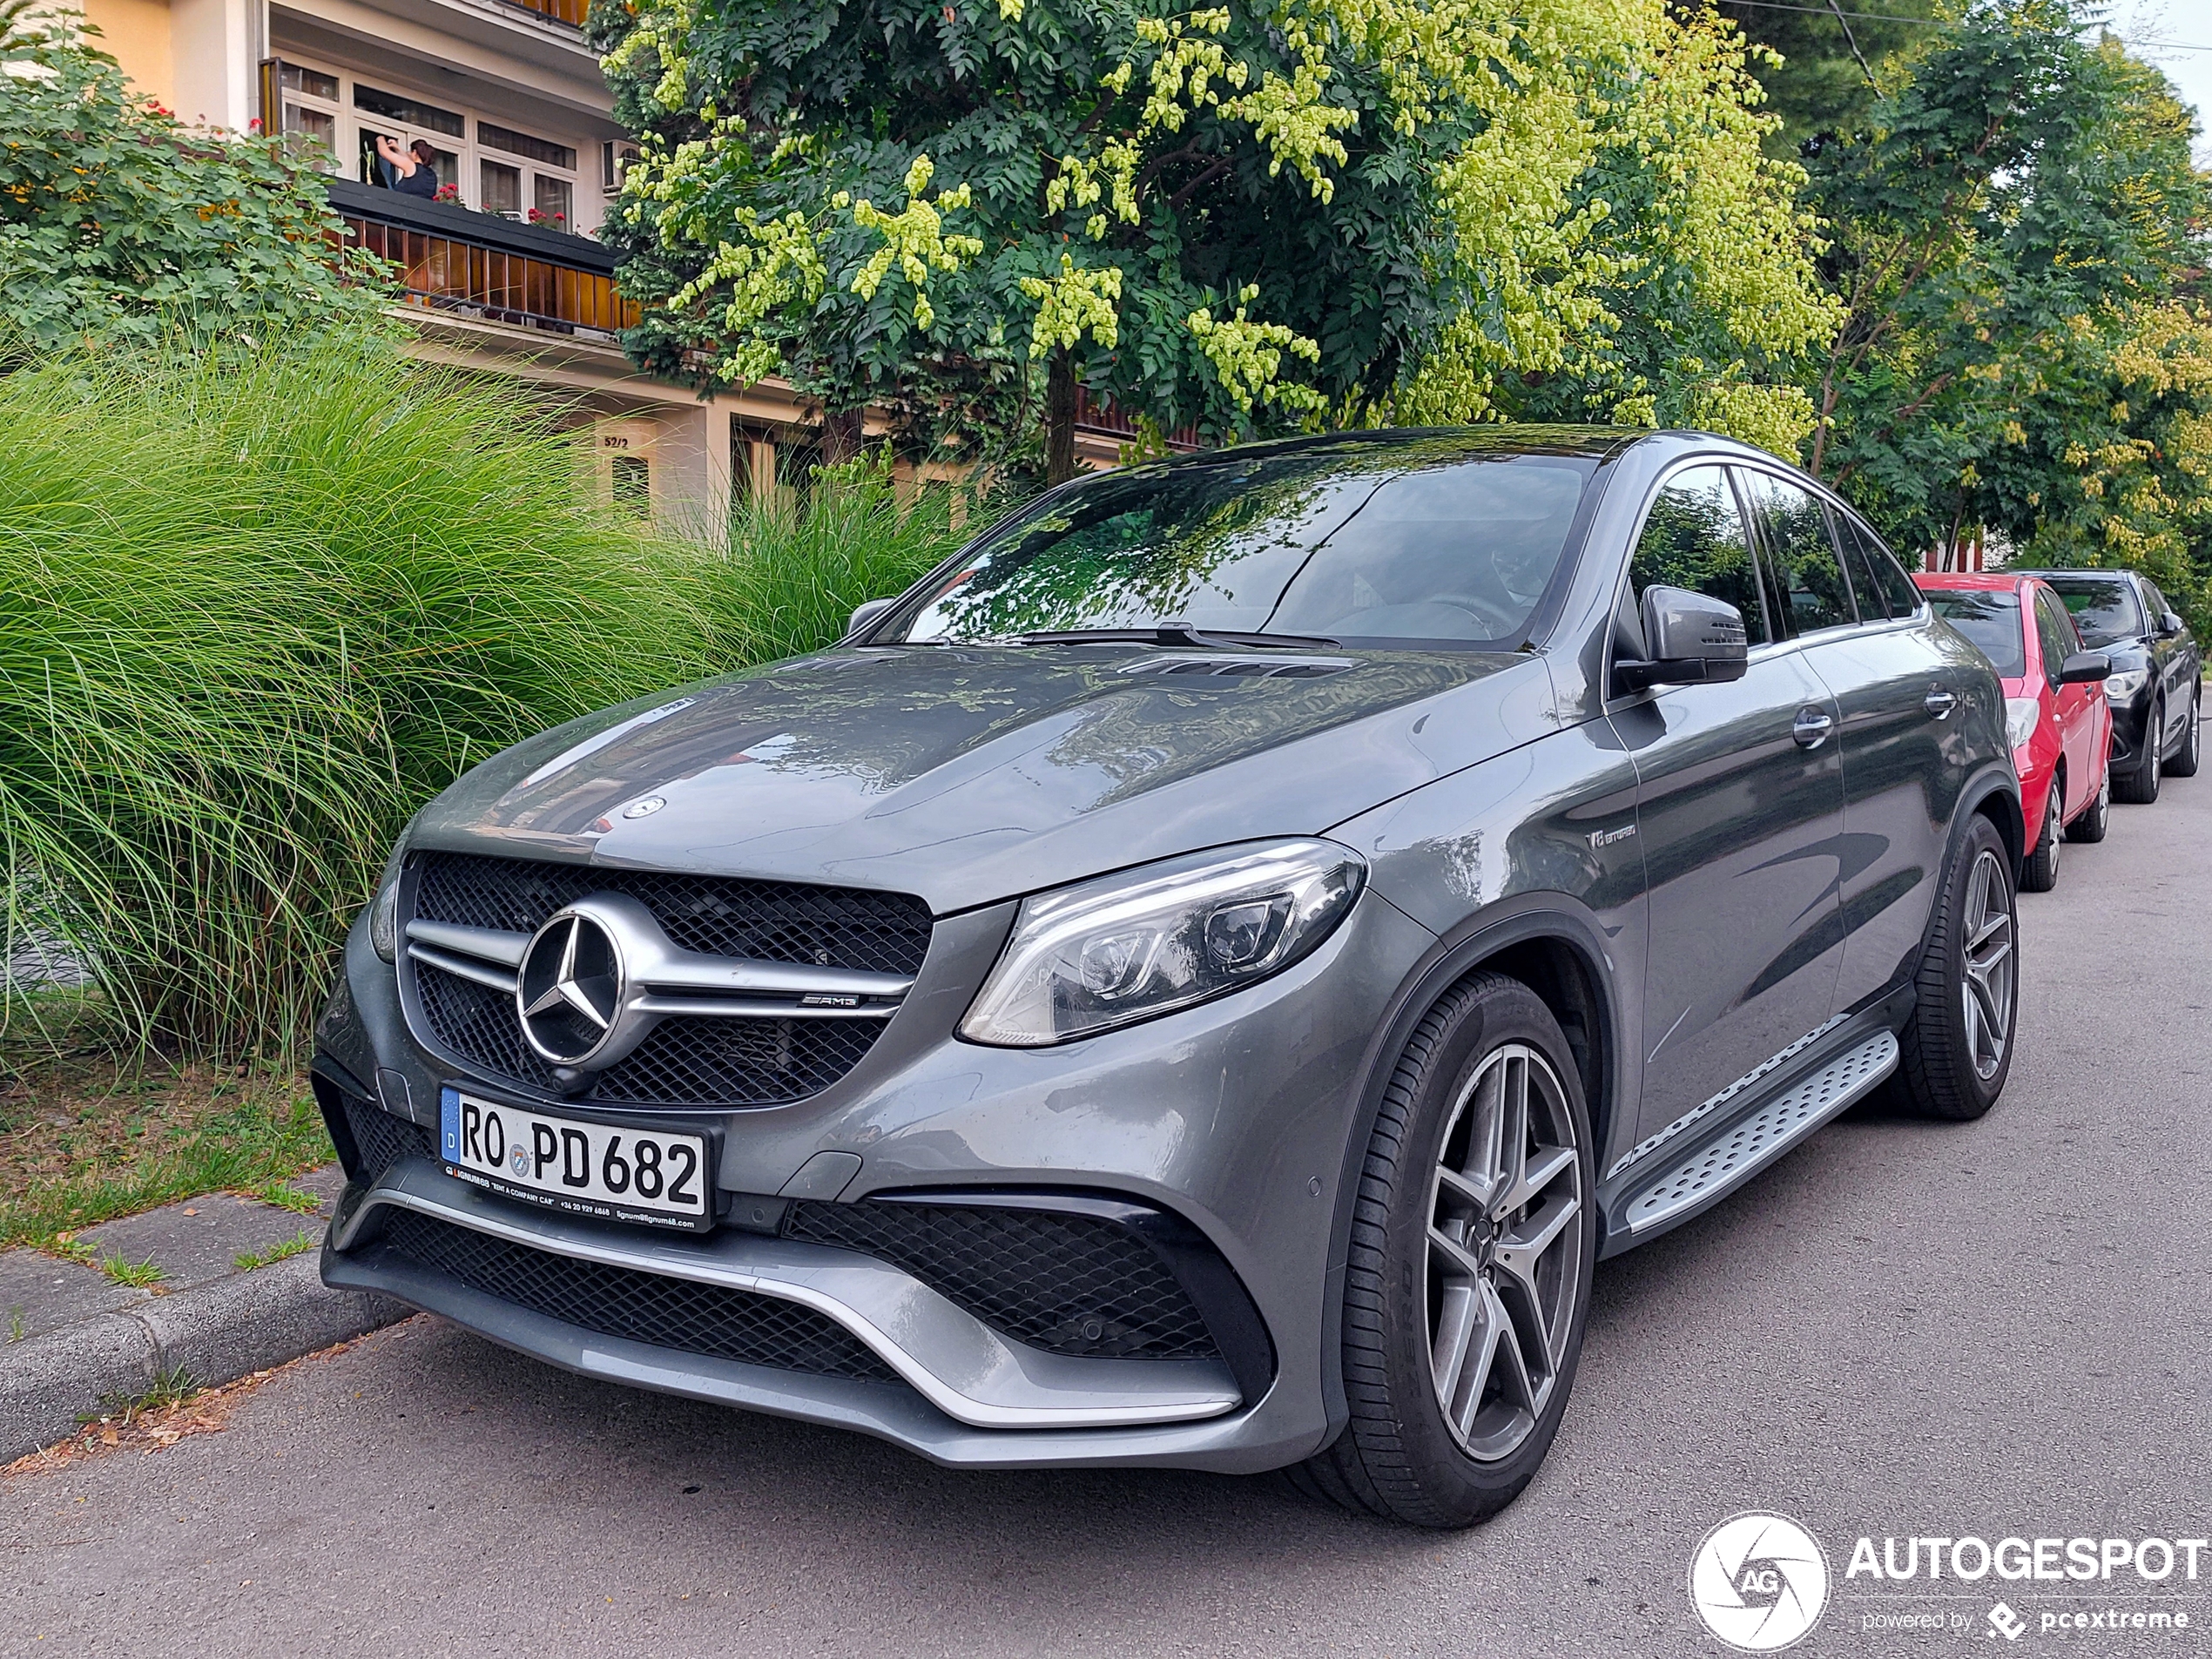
x=502 y=273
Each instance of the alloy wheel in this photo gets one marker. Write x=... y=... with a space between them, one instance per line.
x=1504 y=1256
x=1987 y=965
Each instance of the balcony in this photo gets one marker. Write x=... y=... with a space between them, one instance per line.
x=478 y=265
x=567 y=11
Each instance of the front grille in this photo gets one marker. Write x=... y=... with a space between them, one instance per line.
x=382 y=1139
x=634 y=1306
x=1070 y=1284
x=686 y=1060
x=766 y=921
x=697 y=1057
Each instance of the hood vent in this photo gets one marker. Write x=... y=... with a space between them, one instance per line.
x=1238 y=665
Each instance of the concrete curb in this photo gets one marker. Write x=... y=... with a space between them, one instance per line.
x=219 y=1331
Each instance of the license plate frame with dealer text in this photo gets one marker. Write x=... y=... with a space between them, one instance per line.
x=575 y=1167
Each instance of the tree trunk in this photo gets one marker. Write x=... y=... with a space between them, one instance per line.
x=1060 y=419
x=842 y=436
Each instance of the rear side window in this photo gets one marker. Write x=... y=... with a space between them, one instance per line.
x=1807 y=576
x=1875 y=571
x=2058 y=637
x=1990 y=619
x=1693 y=537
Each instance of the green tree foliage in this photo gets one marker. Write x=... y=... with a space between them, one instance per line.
x=2016 y=205
x=1242 y=218
x=117 y=221
x=2118 y=472
x=1634 y=255
x=1833 y=55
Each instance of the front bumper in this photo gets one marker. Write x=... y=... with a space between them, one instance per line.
x=1232 y=1118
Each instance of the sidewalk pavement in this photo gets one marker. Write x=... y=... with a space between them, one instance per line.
x=74 y=1341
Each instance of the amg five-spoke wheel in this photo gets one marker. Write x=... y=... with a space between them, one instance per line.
x=1468 y=1284
x=1987 y=964
x=1957 y=1044
x=1504 y=1258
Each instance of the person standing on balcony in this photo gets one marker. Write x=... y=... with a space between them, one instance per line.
x=408 y=170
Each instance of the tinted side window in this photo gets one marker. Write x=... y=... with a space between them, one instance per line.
x=1874 y=571
x=1693 y=537
x=1807 y=576
x=2157 y=603
x=2057 y=635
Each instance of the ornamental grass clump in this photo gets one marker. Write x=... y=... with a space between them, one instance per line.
x=254 y=611
x=256 y=608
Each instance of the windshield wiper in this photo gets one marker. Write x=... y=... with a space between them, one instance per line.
x=1178 y=633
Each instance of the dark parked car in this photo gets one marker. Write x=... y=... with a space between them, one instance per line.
x=2155 y=685
x=1201 y=979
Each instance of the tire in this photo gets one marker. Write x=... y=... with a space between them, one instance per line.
x=1432 y=1257
x=2096 y=817
x=2139 y=787
x=1957 y=1047
x=2039 y=870
x=2184 y=765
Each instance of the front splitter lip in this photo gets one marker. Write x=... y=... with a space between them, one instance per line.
x=961 y=1367
x=888 y=1410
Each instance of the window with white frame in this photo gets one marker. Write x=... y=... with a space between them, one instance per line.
x=311 y=109
x=489 y=166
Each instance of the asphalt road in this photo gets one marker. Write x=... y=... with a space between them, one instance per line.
x=1905 y=1329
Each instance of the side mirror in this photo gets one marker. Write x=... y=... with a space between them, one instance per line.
x=1692 y=639
x=2169 y=626
x=863 y=615
x=2085 y=668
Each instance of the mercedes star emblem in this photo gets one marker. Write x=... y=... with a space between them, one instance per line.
x=569 y=987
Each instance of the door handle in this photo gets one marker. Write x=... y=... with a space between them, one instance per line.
x=1812 y=728
x=1940 y=703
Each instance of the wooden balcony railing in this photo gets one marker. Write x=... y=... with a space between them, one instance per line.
x=1107 y=420
x=478 y=265
x=567 y=11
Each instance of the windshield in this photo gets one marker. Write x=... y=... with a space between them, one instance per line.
x=2104 y=608
x=1990 y=619
x=1397 y=544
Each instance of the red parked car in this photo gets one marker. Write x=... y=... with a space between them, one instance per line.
x=2055 y=715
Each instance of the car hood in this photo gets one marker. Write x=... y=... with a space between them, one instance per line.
x=971 y=774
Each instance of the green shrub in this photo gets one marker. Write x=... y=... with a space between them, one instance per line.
x=119 y=221
x=255 y=610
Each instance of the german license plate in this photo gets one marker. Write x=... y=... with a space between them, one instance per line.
x=608 y=1171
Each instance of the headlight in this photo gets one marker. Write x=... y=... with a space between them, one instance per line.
x=1128 y=946
x=384 y=919
x=2122 y=684
x=2021 y=715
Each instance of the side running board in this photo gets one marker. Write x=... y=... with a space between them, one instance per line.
x=1765 y=1135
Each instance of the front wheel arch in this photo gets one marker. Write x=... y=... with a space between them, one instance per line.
x=1546 y=937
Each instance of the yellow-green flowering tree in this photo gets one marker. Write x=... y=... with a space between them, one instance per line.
x=1243 y=218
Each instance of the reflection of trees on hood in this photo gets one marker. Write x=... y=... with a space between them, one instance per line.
x=907 y=715
x=1157 y=731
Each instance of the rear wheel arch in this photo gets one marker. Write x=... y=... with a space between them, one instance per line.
x=1988 y=797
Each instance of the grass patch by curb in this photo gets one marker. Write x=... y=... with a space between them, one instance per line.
x=85 y=1143
x=247 y=1260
